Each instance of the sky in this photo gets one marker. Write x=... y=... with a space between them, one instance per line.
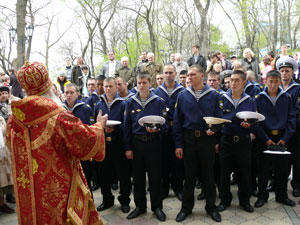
x=64 y=11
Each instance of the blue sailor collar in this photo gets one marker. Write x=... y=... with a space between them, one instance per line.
x=116 y=98
x=205 y=90
x=96 y=94
x=77 y=104
x=228 y=95
x=248 y=84
x=137 y=98
x=292 y=84
x=279 y=93
x=176 y=87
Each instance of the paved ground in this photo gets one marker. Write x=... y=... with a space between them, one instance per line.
x=272 y=213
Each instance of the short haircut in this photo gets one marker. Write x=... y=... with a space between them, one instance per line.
x=177 y=55
x=150 y=54
x=122 y=79
x=198 y=68
x=214 y=74
x=274 y=73
x=91 y=79
x=168 y=65
x=272 y=54
x=250 y=74
x=110 y=79
x=100 y=77
x=183 y=72
x=196 y=46
x=124 y=58
x=239 y=72
x=11 y=70
x=74 y=86
x=144 y=75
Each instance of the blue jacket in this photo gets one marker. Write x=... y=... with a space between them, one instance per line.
x=93 y=100
x=246 y=103
x=82 y=111
x=294 y=91
x=155 y=106
x=170 y=101
x=281 y=116
x=189 y=112
x=251 y=89
x=116 y=110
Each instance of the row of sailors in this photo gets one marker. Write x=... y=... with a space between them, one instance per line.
x=198 y=150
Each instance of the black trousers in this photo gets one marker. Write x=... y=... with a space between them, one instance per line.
x=172 y=167
x=269 y=163
x=87 y=167
x=147 y=159
x=115 y=160
x=235 y=154
x=199 y=156
x=295 y=157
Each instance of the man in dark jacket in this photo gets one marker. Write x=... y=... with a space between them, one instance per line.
x=197 y=58
x=77 y=71
x=16 y=88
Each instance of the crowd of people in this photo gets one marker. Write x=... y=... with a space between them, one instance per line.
x=184 y=152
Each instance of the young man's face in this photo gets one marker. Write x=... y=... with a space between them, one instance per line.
x=71 y=94
x=169 y=73
x=213 y=82
x=143 y=84
x=195 y=77
x=286 y=73
x=91 y=85
x=159 y=79
x=4 y=96
x=227 y=82
x=85 y=71
x=273 y=84
x=110 y=88
x=99 y=85
x=120 y=85
x=237 y=83
x=182 y=79
x=283 y=49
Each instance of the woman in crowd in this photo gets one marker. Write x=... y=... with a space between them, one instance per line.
x=251 y=63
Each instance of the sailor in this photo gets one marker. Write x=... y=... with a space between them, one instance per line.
x=143 y=146
x=173 y=168
x=287 y=66
x=113 y=105
x=84 y=112
x=235 y=143
x=194 y=143
x=122 y=87
x=279 y=126
x=95 y=96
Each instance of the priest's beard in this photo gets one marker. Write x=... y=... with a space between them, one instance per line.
x=50 y=94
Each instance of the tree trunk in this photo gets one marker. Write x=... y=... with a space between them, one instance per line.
x=245 y=21
x=203 y=36
x=21 y=23
x=275 y=30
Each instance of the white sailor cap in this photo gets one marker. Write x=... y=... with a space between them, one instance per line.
x=215 y=120
x=154 y=120
x=287 y=61
x=250 y=117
